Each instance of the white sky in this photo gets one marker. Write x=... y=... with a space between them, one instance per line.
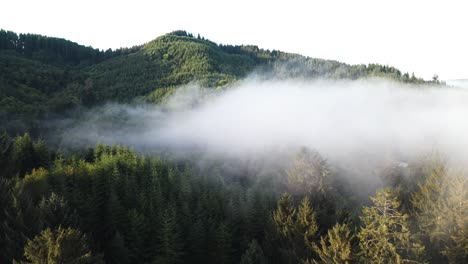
x=427 y=37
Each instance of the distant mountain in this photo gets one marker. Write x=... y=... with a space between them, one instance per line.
x=42 y=75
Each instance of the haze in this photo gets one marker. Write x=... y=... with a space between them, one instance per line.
x=346 y=121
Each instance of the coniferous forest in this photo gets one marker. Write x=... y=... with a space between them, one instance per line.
x=112 y=203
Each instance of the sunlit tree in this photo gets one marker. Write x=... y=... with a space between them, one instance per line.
x=385 y=235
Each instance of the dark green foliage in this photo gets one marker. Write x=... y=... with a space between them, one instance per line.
x=56 y=212
x=42 y=76
x=142 y=209
x=12 y=228
x=133 y=208
x=21 y=155
x=253 y=254
x=48 y=49
x=297 y=228
x=116 y=251
x=170 y=249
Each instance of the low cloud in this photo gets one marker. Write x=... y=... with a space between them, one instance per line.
x=346 y=121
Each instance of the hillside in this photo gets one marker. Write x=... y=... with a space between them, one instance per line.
x=275 y=170
x=40 y=76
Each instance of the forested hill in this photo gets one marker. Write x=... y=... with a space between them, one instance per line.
x=111 y=204
x=41 y=75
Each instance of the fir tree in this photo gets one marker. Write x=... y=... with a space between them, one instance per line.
x=385 y=236
x=335 y=247
x=65 y=245
x=253 y=254
x=440 y=210
x=170 y=245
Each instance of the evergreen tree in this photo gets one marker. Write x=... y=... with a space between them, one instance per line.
x=170 y=245
x=441 y=213
x=335 y=248
x=55 y=211
x=305 y=230
x=253 y=254
x=63 y=246
x=426 y=204
x=385 y=236
x=222 y=245
x=310 y=174
x=454 y=221
x=12 y=227
x=23 y=155
x=284 y=216
x=196 y=242
x=4 y=154
x=135 y=235
x=255 y=214
x=35 y=184
x=116 y=251
x=306 y=223
x=297 y=228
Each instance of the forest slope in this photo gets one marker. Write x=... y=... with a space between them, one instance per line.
x=40 y=76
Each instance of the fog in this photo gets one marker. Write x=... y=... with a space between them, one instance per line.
x=365 y=121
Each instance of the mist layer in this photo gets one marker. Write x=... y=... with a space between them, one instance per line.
x=343 y=120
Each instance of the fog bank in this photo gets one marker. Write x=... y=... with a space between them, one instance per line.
x=345 y=121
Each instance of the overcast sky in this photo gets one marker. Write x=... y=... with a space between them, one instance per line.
x=427 y=37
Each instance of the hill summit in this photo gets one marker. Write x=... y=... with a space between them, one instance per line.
x=42 y=75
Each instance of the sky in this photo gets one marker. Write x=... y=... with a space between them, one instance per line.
x=425 y=37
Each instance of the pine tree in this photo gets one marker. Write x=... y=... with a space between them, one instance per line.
x=284 y=215
x=4 y=154
x=454 y=221
x=196 y=242
x=297 y=228
x=255 y=215
x=135 y=235
x=101 y=217
x=306 y=222
x=335 y=248
x=12 y=227
x=23 y=155
x=310 y=174
x=41 y=154
x=440 y=209
x=222 y=245
x=385 y=236
x=65 y=245
x=253 y=254
x=35 y=184
x=55 y=211
x=170 y=244
x=116 y=251
x=305 y=229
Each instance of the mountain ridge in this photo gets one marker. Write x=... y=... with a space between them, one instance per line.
x=41 y=75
